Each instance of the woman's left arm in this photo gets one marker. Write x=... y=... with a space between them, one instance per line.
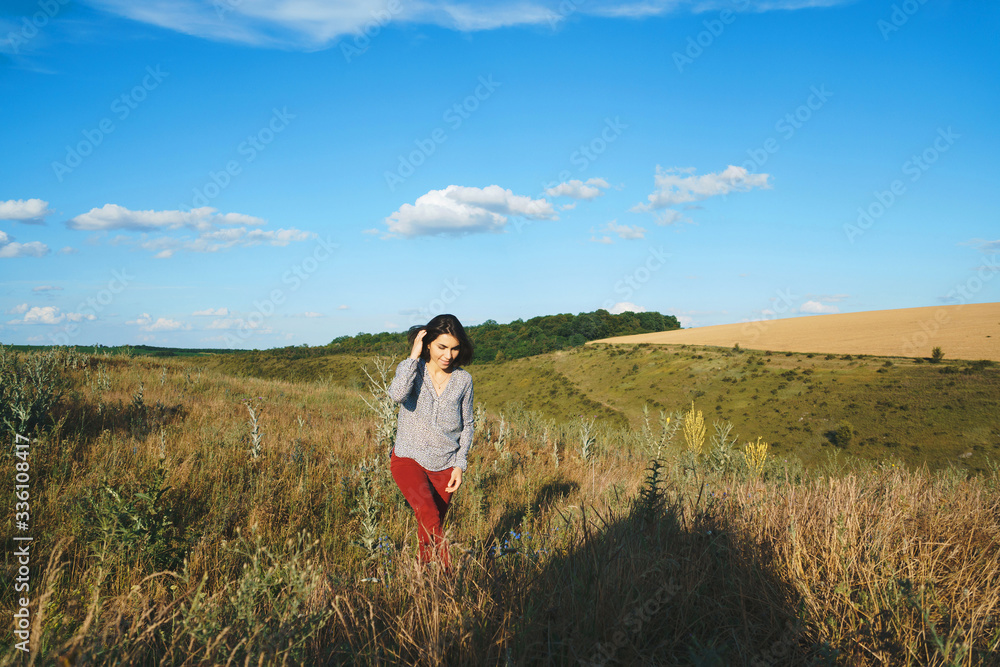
x=468 y=420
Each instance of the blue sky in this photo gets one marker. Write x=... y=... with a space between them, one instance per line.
x=241 y=173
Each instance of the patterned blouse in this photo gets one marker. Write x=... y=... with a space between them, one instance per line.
x=435 y=431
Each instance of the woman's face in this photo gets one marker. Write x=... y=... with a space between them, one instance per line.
x=443 y=351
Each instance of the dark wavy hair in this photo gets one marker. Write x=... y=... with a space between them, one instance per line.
x=443 y=324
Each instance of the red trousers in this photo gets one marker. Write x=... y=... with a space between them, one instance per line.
x=425 y=491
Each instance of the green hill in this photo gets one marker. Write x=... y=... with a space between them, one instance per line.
x=919 y=412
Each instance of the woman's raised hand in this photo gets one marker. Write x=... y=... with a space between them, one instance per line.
x=418 y=344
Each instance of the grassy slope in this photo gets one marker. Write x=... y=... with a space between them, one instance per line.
x=918 y=412
x=714 y=575
x=910 y=410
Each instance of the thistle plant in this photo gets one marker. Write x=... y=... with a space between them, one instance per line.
x=479 y=421
x=139 y=412
x=103 y=379
x=587 y=439
x=29 y=389
x=694 y=430
x=722 y=457
x=368 y=505
x=650 y=500
x=503 y=432
x=256 y=436
x=655 y=442
x=381 y=403
x=756 y=456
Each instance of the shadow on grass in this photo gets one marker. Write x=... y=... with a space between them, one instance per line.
x=668 y=585
x=513 y=517
x=88 y=420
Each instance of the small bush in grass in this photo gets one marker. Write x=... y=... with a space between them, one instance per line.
x=936 y=355
x=844 y=434
x=30 y=386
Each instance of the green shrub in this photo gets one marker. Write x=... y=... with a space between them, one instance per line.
x=844 y=434
x=29 y=389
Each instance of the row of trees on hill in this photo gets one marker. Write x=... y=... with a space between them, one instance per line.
x=520 y=338
x=538 y=335
x=494 y=341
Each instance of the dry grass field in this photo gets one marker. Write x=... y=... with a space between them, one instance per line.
x=183 y=516
x=970 y=331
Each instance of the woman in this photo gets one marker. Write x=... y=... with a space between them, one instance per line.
x=434 y=431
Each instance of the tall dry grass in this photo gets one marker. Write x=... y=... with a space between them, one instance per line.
x=161 y=540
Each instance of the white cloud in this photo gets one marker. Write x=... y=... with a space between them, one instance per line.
x=343 y=307
x=222 y=338
x=315 y=24
x=239 y=323
x=606 y=240
x=680 y=185
x=112 y=216
x=225 y=323
x=986 y=246
x=45 y=288
x=147 y=323
x=577 y=189
x=215 y=231
x=831 y=298
x=43 y=315
x=46 y=315
x=310 y=313
x=9 y=248
x=670 y=217
x=818 y=308
x=68 y=250
x=462 y=210
x=217 y=312
x=24 y=210
x=625 y=307
x=625 y=231
x=223 y=239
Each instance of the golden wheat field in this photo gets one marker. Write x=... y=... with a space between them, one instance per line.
x=969 y=331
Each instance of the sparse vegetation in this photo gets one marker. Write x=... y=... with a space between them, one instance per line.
x=168 y=544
